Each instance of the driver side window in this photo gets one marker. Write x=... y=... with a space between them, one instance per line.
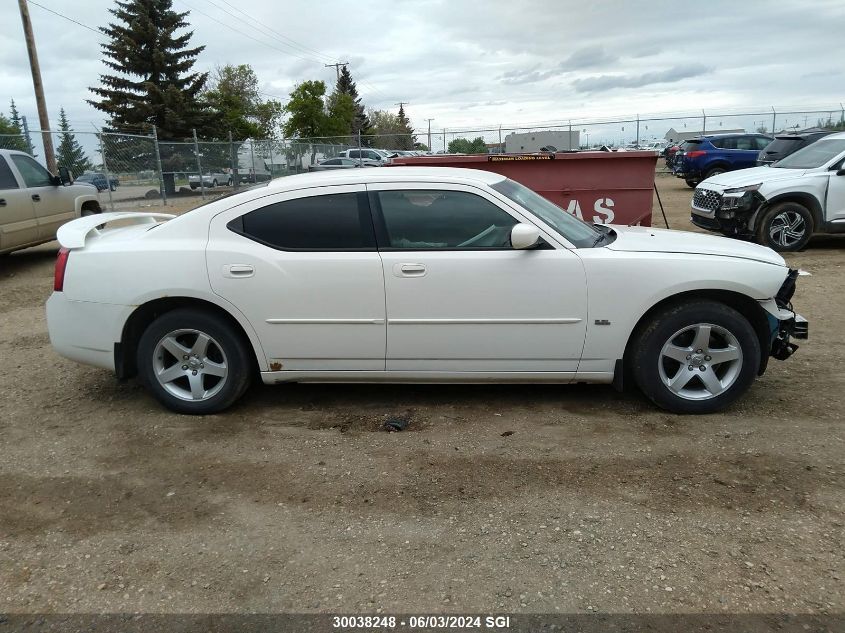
x=33 y=174
x=453 y=220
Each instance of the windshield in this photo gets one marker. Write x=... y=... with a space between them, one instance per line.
x=815 y=155
x=576 y=231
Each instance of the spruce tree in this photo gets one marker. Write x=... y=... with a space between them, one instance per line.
x=152 y=83
x=21 y=143
x=360 y=122
x=406 y=139
x=70 y=153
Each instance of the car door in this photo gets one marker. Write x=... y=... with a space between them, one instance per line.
x=835 y=200
x=18 y=225
x=52 y=209
x=746 y=152
x=460 y=299
x=302 y=266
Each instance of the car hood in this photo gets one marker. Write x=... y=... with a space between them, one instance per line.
x=752 y=176
x=645 y=239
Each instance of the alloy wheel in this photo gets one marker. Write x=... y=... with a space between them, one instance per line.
x=787 y=229
x=700 y=361
x=190 y=365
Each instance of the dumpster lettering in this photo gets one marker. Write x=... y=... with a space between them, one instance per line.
x=602 y=210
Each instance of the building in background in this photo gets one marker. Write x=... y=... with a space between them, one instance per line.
x=543 y=141
x=673 y=136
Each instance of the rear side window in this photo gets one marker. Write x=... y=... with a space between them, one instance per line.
x=7 y=178
x=429 y=219
x=334 y=222
x=33 y=174
x=761 y=142
x=746 y=142
x=724 y=143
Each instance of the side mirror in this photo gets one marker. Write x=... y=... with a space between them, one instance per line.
x=524 y=236
x=64 y=176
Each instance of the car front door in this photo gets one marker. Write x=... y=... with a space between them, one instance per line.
x=303 y=268
x=835 y=202
x=52 y=209
x=460 y=298
x=18 y=225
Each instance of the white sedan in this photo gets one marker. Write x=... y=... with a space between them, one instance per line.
x=414 y=274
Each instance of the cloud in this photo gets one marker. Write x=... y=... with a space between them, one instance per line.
x=600 y=83
x=582 y=59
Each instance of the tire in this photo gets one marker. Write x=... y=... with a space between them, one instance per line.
x=113 y=187
x=214 y=183
x=785 y=227
x=193 y=187
x=229 y=182
x=692 y=184
x=668 y=346
x=715 y=172
x=224 y=367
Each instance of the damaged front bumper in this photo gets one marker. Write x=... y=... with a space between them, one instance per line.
x=784 y=323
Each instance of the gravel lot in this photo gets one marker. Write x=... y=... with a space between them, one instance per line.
x=504 y=499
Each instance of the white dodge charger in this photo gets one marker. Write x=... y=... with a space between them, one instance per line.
x=414 y=274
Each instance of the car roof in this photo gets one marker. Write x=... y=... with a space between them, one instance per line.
x=733 y=134
x=386 y=174
x=835 y=135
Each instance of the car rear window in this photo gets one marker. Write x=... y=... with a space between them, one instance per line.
x=332 y=222
x=784 y=144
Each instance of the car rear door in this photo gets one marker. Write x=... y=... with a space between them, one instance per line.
x=18 y=225
x=460 y=298
x=746 y=152
x=304 y=269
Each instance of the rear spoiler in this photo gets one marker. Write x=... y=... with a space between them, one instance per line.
x=73 y=233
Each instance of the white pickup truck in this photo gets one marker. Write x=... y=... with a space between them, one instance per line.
x=34 y=203
x=782 y=205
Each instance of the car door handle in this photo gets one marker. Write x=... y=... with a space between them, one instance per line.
x=409 y=270
x=236 y=271
x=36 y=197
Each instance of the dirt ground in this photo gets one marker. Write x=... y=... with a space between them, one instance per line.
x=496 y=499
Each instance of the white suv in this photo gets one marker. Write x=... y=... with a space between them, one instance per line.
x=780 y=205
x=378 y=155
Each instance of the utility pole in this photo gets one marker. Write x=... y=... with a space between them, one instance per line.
x=429 y=133
x=47 y=139
x=337 y=67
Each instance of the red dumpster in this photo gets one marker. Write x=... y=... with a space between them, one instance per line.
x=601 y=187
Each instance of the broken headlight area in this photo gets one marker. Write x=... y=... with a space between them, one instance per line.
x=739 y=201
x=794 y=327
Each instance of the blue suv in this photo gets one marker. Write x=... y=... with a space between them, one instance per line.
x=706 y=156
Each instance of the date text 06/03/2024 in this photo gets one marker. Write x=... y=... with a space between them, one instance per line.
x=421 y=622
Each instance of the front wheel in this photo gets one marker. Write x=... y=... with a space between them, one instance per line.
x=193 y=362
x=696 y=357
x=787 y=226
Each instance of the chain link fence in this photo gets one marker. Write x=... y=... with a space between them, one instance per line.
x=136 y=171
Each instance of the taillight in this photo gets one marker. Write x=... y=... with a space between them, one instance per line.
x=696 y=153
x=61 y=264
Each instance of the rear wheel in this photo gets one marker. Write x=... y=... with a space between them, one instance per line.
x=697 y=357
x=692 y=184
x=787 y=226
x=193 y=362
x=714 y=172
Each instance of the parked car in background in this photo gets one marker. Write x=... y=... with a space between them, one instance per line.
x=670 y=152
x=782 y=205
x=34 y=203
x=343 y=163
x=99 y=180
x=414 y=274
x=786 y=144
x=210 y=180
x=715 y=154
x=377 y=155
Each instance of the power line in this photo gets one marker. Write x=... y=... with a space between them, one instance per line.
x=84 y=26
x=293 y=43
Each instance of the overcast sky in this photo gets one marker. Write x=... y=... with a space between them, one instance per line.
x=475 y=64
